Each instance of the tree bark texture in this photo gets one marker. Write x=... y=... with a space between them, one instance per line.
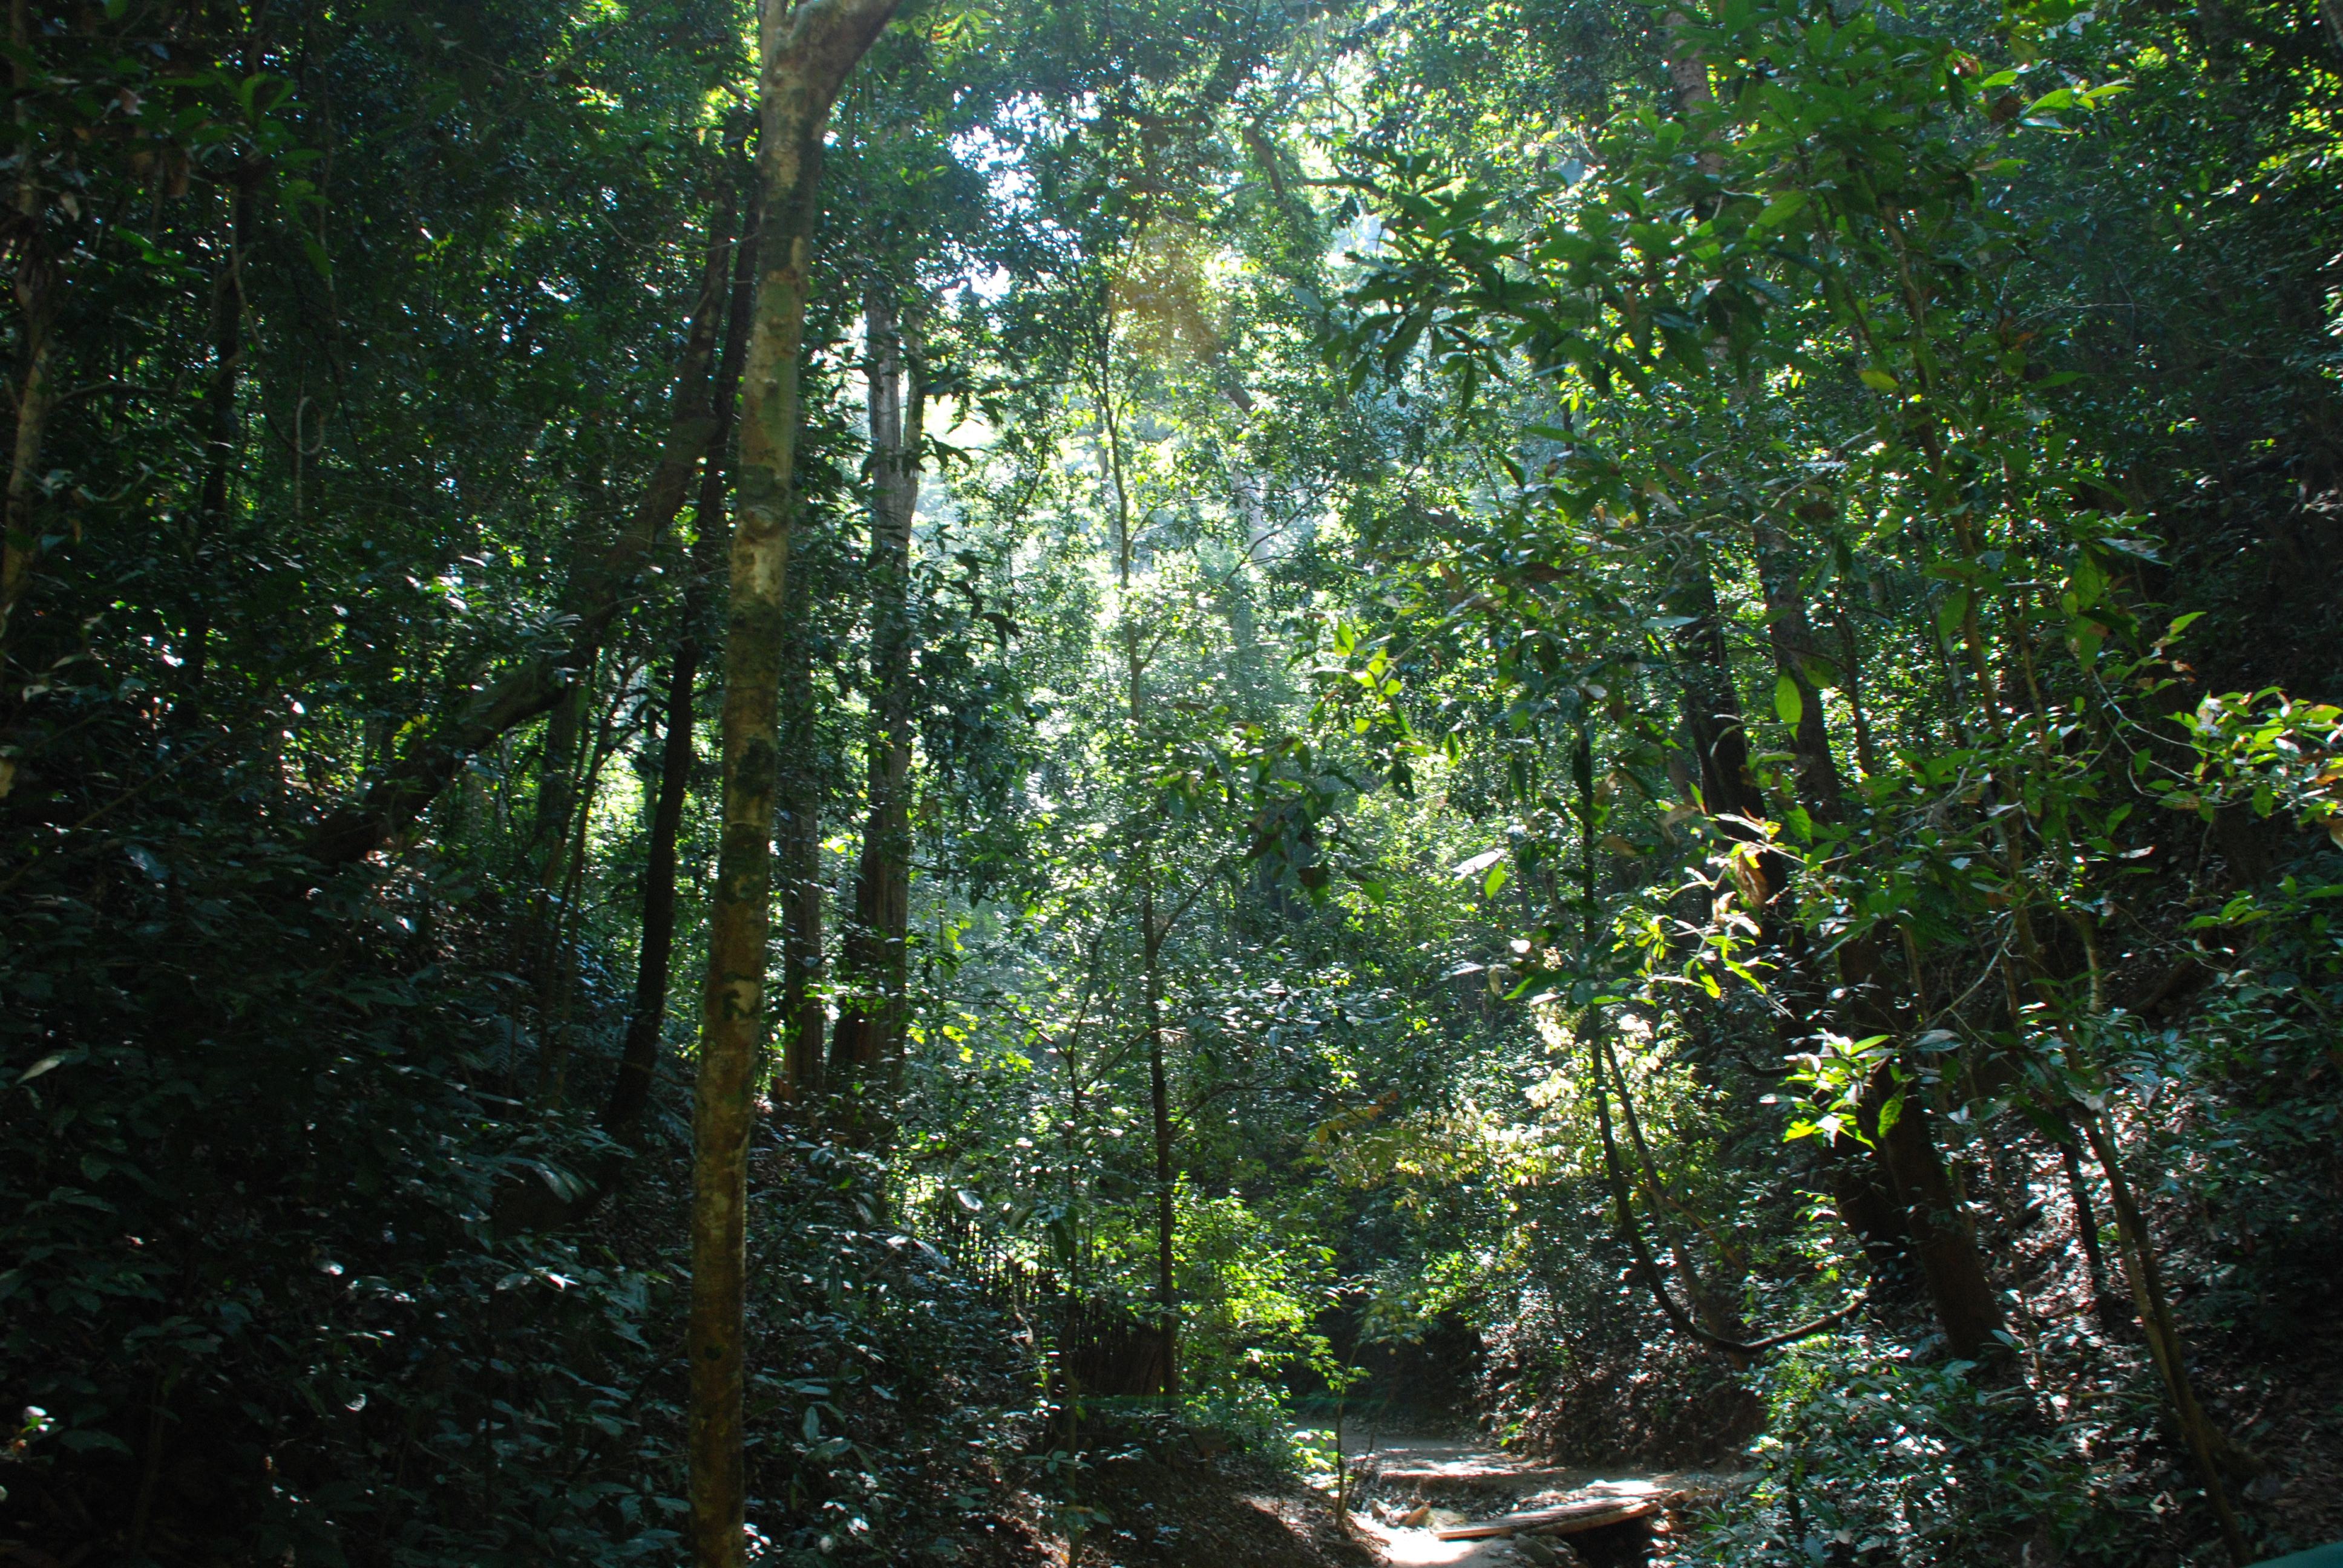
x=870 y=1037
x=804 y=52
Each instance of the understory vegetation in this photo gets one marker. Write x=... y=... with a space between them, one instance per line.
x=906 y=783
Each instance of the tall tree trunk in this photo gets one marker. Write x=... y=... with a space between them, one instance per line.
x=1721 y=1318
x=2087 y=1226
x=805 y=52
x=1159 y=1093
x=557 y=785
x=1944 y=1239
x=1151 y=931
x=559 y=773
x=870 y=1027
x=1720 y=739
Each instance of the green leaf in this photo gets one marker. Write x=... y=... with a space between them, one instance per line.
x=1781 y=209
x=1890 y=1112
x=1876 y=380
x=1953 y=612
x=1788 y=702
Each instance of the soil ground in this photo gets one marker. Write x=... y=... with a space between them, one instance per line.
x=1229 y=1511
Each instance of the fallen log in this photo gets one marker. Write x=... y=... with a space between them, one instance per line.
x=1566 y=1519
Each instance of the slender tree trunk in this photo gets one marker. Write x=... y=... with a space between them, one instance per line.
x=1158 y=1092
x=1151 y=933
x=557 y=785
x=2213 y=1451
x=559 y=996
x=639 y=1057
x=1719 y=1317
x=631 y=1091
x=870 y=1028
x=805 y=53
x=2087 y=1228
x=2145 y=1277
x=1850 y=664
x=559 y=772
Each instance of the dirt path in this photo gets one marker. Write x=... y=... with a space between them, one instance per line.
x=1412 y=1486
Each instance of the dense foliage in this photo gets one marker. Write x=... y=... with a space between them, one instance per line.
x=1613 y=719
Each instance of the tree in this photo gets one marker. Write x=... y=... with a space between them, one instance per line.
x=806 y=52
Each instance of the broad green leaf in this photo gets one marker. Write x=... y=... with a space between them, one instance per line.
x=1951 y=613
x=1781 y=209
x=1788 y=702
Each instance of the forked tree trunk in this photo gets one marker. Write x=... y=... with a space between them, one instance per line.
x=871 y=1026
x=805 y=52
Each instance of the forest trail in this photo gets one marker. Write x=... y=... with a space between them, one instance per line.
x=1415 y=1486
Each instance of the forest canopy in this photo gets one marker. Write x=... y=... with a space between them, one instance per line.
x=917 y=781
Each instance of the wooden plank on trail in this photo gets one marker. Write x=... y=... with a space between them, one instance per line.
x=1566 y=1519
